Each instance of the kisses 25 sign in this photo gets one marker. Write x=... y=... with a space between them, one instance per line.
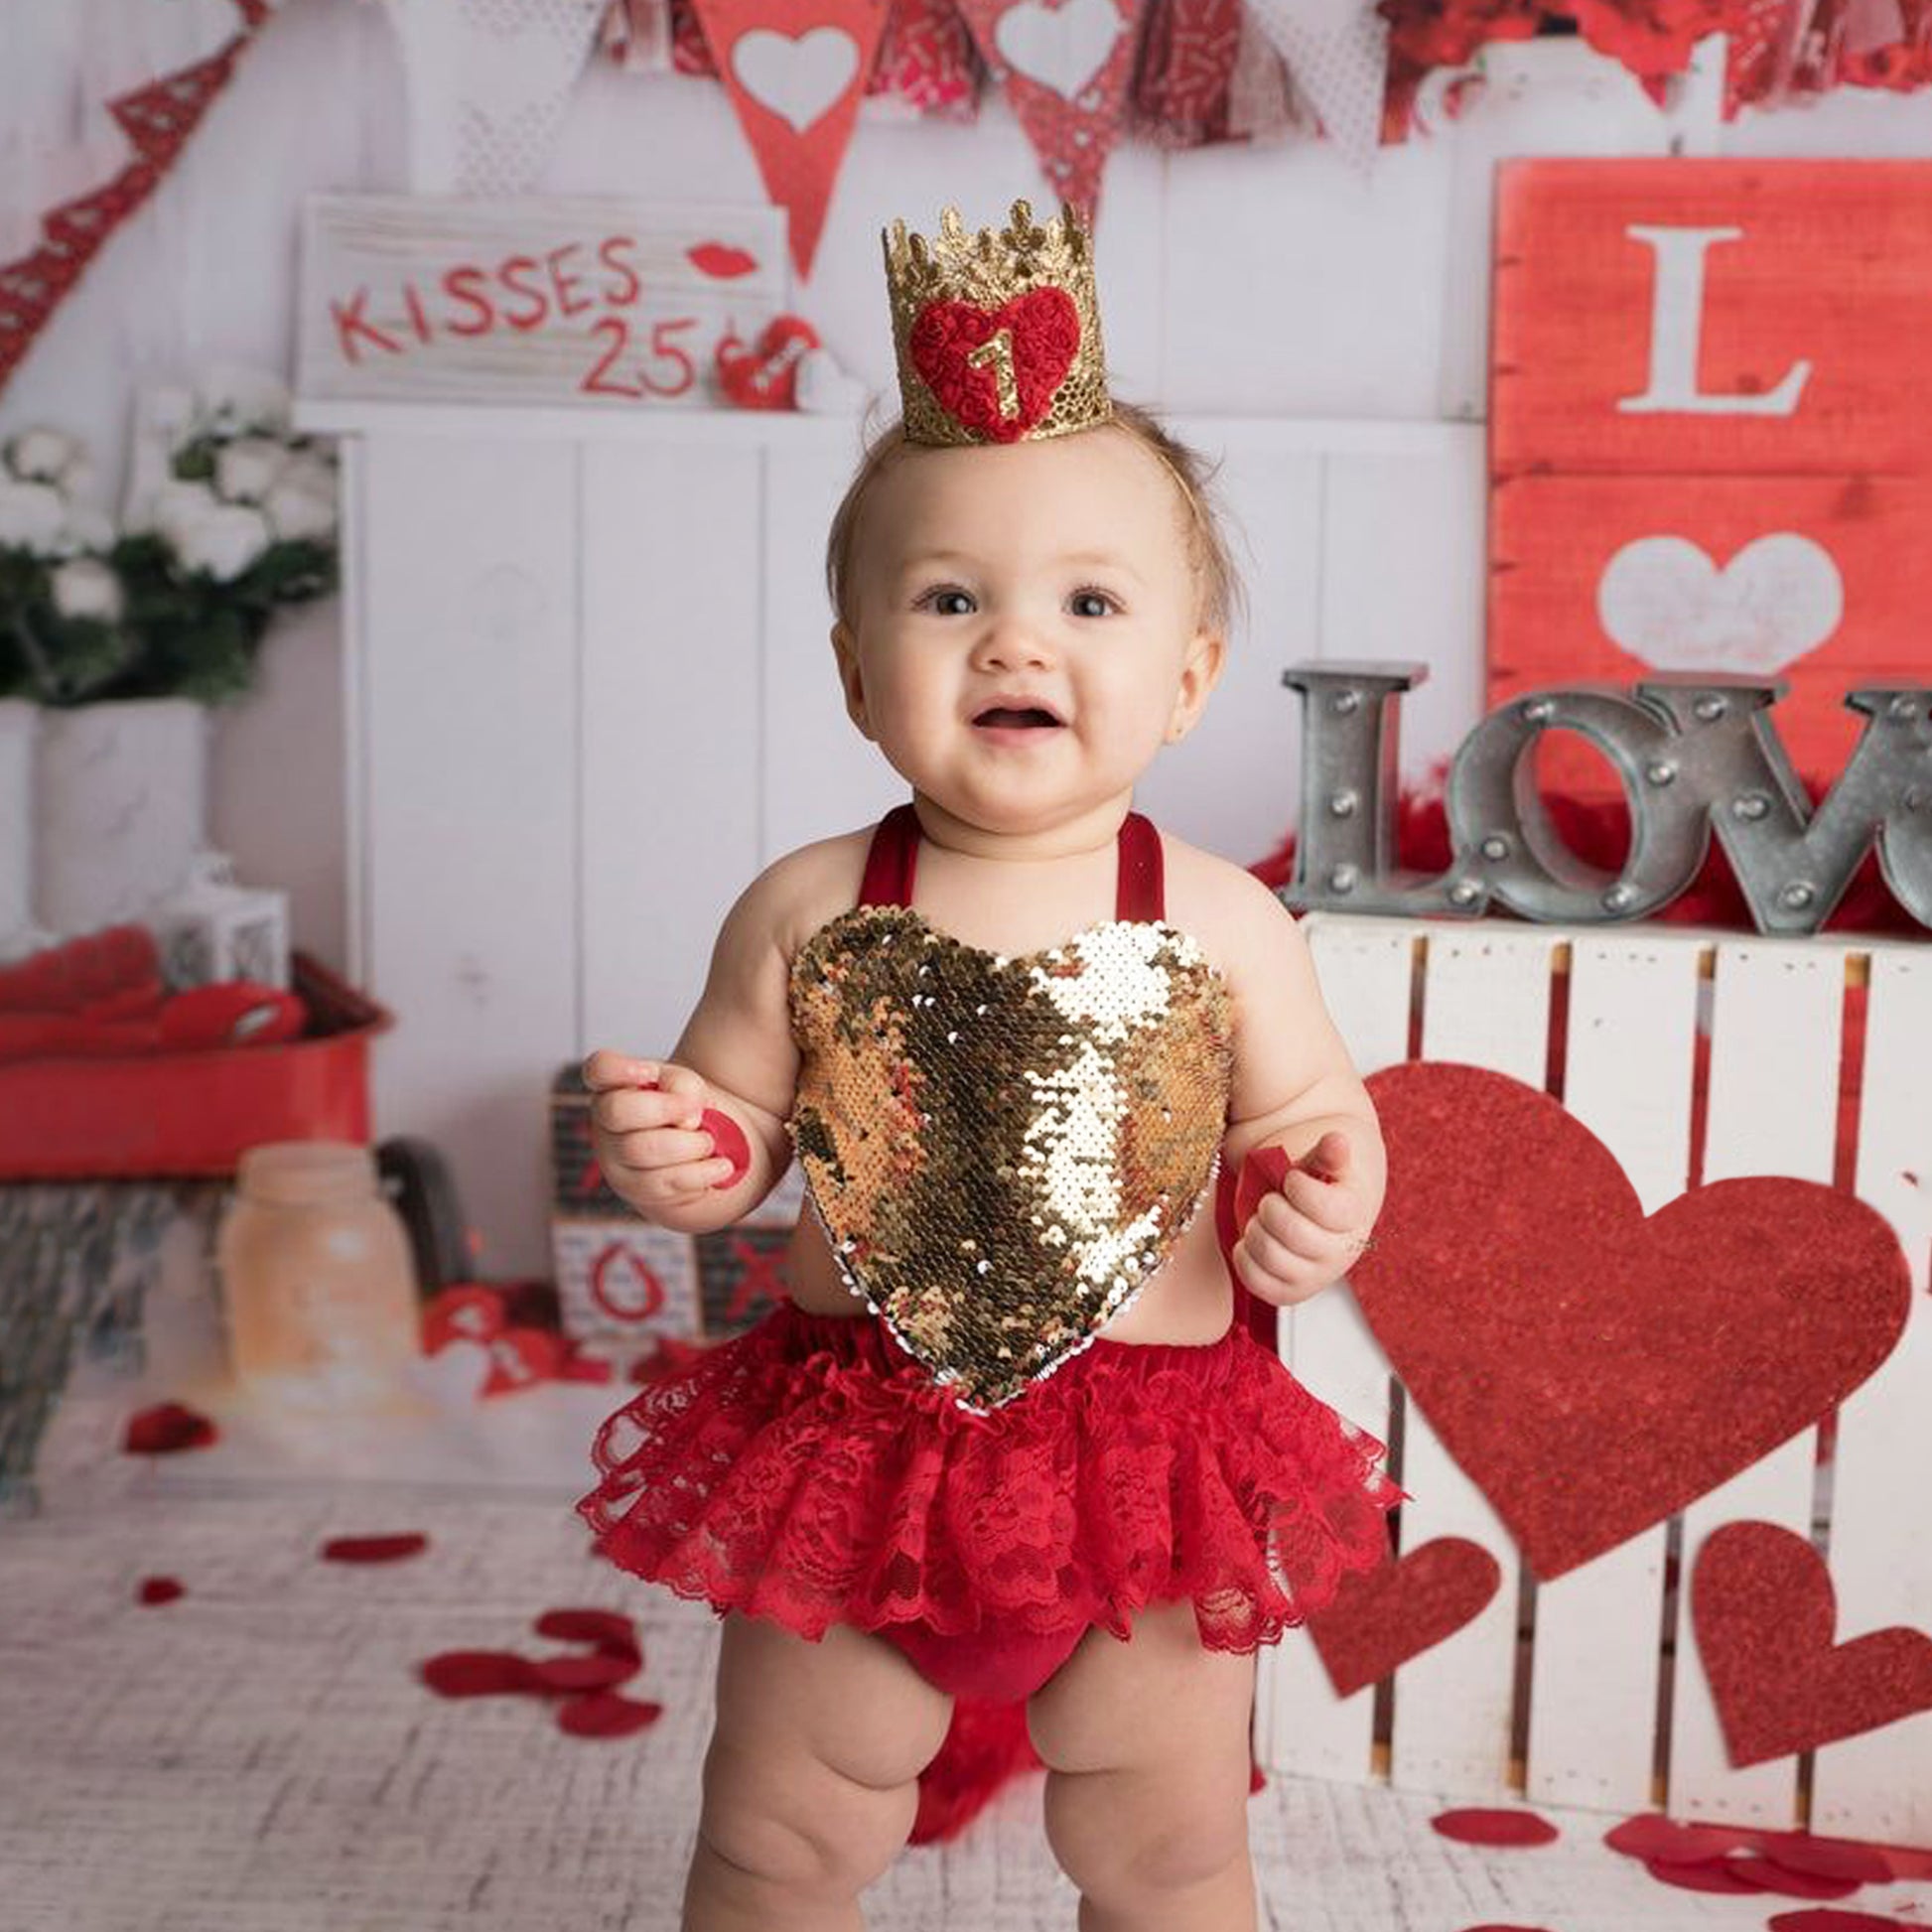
x=556 y=301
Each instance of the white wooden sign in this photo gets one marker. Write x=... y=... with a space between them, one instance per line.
x=614 y=303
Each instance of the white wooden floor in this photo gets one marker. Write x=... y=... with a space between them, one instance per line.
x=258 y=1756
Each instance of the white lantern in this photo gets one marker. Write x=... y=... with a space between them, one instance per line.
x=213 y=929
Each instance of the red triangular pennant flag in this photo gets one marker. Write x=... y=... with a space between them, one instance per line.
x=1065 y=69
x=795 y=70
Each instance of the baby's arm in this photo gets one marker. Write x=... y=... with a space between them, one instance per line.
x=736 y=1055
x=1295 y=1089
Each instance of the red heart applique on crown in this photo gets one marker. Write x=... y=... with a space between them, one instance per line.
x=953 y=347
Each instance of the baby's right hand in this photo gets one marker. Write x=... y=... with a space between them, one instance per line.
x=657 y=1142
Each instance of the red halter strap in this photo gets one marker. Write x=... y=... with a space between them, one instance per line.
x=891 y=864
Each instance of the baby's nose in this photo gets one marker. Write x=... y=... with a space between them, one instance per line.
x=1009 y=642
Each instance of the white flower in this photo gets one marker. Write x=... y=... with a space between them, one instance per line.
x=169 y=413
x=31 y=514
x=88 y=528
x=86 y=588
x=41 y=455
x=309 y=470
x=224 y=542
x=295 y=515
x=235 y=399
x=179 y=506
x=245 y=470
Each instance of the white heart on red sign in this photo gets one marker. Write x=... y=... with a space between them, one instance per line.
x=1664 y=599
x=799 y=79
x=1062 y=48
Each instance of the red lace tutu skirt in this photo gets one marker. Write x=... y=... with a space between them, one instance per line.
x=811 y=1471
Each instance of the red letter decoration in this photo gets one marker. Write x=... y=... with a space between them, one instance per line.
x=1591 y=1369
x=1065 y=69
x=796 y=71
x=1710 y=405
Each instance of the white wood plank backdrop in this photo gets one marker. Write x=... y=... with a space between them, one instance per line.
x=1775 y=1019
x=592 y=694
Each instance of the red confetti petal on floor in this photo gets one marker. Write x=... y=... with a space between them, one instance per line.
x=1503 y=1928
x=1652 y=1836
x=1712 y=1874
x=593 y=1673
x=1476 y=1826
x=480 y=1673
x=166 y=1428
x=1767 y=1876
x=373 y=1549
x=1827 y=1858
x=608 y=1629
x=603 y=1713
x=160 y=1590
x=1257 y=1779
x=1831 y=1918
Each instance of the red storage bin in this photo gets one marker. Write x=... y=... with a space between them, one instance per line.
x=148 y=1114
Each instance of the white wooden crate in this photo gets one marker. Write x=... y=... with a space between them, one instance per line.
x=1598 y=1690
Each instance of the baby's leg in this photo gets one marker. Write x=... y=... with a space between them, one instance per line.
x=1146 y=1746
x=811 y=1782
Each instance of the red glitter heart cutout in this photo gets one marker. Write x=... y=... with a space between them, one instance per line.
x=480 y=1673
x=1479 y=1824
x=603 y=1713
x=1380 y=1618
x=1044 y=331
x=1593 y=1372
x=373 y=1549
x=166 y=1428
x=1764 y=1612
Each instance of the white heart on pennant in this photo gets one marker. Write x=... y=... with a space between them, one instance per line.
x=796 y=79
x=1664 y=599
x=1062 y=48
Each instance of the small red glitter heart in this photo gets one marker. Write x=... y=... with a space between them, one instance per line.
x=1042 y=335
x=1764 y=1612
x=765 y=376
x=1380 y=1618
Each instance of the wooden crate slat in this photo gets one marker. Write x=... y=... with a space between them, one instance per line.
x=1628 y=1068
x=1366 y=968
x=1773 y=1085
x=1485 y=1004
x=1878 y=1785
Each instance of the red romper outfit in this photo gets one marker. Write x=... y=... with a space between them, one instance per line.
x=999 y=1153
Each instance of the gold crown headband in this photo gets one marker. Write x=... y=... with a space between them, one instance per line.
x=998 y=334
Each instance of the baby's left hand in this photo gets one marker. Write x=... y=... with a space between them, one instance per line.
x=1307 y=1231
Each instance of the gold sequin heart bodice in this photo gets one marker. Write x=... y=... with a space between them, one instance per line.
x=1003 y=1149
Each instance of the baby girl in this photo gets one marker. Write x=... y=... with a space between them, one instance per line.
x=1010 y=1436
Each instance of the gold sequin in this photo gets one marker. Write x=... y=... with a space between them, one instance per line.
x=1001 y=1150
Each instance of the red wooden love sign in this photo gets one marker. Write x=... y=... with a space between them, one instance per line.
x=1710 y=405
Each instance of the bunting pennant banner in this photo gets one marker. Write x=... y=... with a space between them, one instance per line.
x=156 y=120
x=1181 y=97
x=1338 y=53
x=1065 y=69
x=796 y=71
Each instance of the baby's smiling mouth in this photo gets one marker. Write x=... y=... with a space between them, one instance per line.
x=1010 y=717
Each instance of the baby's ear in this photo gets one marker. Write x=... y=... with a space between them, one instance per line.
x=844 y=648
x=1201 y=671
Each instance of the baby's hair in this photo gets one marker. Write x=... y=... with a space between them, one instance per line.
x=1212 y=558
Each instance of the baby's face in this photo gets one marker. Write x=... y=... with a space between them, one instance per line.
x=1026 y=626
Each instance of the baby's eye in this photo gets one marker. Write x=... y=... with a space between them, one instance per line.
x=945 y=600
x=1092 y=604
